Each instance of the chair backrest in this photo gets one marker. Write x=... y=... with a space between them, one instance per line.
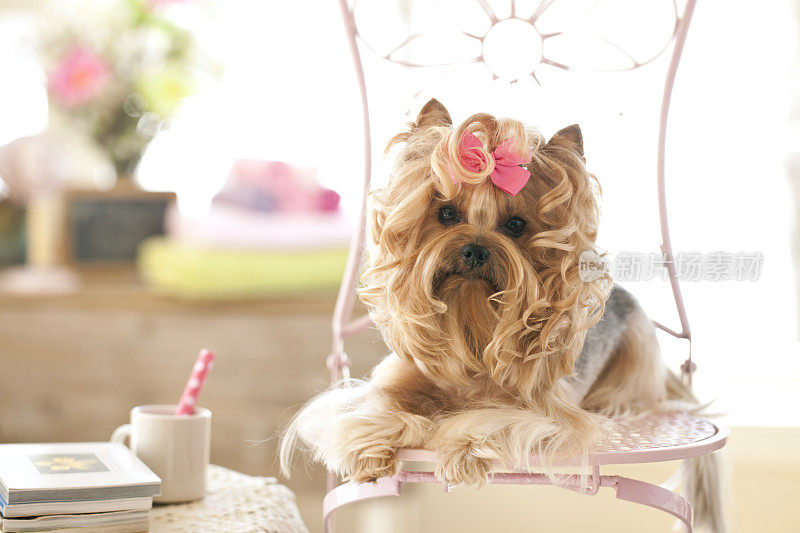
x=343 y=323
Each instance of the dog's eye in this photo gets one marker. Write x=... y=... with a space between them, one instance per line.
x=448 y=215
x=514 y=227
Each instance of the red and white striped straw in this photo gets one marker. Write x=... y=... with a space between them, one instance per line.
x=205 y=361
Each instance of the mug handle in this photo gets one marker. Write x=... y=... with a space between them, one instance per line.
x=121 y=433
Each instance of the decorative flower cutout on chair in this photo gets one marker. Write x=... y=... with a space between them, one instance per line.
x=516 y=39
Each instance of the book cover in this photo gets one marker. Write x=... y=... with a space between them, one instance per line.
x=73 y=471
x=15 y=510
x=95 y=520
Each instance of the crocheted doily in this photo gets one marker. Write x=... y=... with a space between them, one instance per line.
x=234 y=503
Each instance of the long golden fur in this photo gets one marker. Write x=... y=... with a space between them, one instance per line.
x=482 y=355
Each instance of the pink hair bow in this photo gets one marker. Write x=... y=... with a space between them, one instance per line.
x=507 y=175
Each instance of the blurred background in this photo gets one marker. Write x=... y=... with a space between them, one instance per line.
x=180 y=174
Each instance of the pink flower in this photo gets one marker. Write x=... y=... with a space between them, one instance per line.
x=156 y=4
x=79 y=77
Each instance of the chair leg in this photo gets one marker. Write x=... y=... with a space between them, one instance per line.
x=354 y=492
x=643 y=493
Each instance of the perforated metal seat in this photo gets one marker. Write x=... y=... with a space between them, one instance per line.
x=647 y=439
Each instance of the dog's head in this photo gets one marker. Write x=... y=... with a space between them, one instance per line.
x=466 y=280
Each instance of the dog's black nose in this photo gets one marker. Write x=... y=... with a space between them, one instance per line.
x=474 y=255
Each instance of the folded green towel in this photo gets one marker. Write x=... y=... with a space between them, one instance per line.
x=188 y=271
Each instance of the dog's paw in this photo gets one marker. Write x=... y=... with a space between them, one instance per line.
x=366 y=467
x=461 y=467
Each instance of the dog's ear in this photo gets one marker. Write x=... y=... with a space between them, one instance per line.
x=569 y=137
x=433 y=114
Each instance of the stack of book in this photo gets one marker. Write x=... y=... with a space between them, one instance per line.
x=82 y=487
x=273 y=229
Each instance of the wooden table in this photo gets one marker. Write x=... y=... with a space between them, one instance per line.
x=80 y=362
x=234 y=503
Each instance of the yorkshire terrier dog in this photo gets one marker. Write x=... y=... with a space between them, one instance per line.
x=501 y=351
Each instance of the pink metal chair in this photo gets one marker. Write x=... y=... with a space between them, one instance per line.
x=662 y=437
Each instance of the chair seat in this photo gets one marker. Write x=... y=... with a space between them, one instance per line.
x=645 y=439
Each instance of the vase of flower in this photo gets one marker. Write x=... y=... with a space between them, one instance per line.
x=117 y=72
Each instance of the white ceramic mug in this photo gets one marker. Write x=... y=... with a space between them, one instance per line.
x=175 y=447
